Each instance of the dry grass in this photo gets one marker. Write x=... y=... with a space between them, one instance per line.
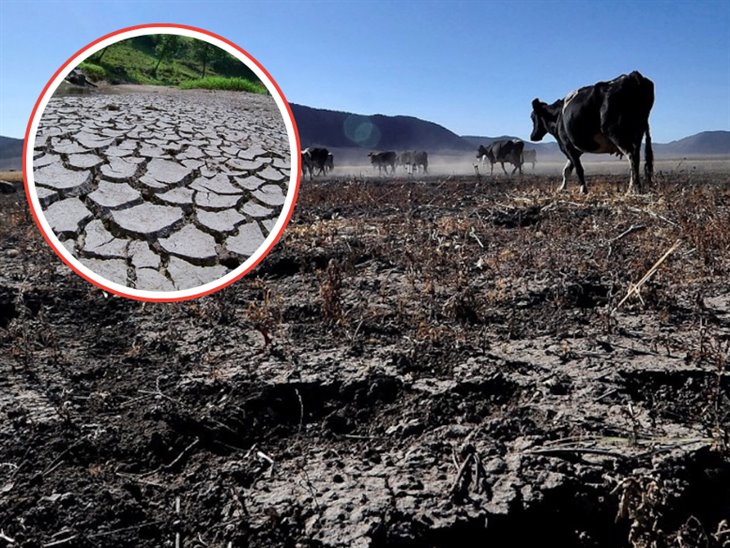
x=413 y=318
x=462 y=255
x=15 y=176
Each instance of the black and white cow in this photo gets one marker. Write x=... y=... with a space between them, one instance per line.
x=307 y=166
x=406 y=159
x=382 y=160
x=318 y=157
x=529 y=157
x=605 y=118
x=420 y=160
x=504 y=150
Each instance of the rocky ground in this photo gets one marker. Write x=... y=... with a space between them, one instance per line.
x=161 y=190
x=428 y=362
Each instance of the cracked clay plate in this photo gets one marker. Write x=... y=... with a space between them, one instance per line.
x=159 y=193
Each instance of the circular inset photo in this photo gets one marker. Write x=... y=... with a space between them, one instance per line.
x=159 y=162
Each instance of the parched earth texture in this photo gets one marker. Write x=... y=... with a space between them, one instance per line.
x=423 y=362
x=161 y=190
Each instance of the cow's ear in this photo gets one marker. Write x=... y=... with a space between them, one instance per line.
x=536 y=105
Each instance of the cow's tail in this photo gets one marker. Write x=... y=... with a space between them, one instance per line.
x=648 y=157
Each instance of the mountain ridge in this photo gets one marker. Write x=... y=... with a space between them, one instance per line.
x=358 y=133
x=334 y=129
x=11 y=153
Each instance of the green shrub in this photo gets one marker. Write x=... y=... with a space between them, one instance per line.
x=230 y=84
x=94 y=72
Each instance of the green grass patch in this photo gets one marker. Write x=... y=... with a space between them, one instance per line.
x=128 y=62
x=94 y=72
x=229 y=84
x=140 y=60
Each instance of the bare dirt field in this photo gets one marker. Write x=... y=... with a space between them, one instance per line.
x=419 y=362
x=594 y=164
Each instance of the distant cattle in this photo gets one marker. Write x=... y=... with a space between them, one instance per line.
x=605 y=118
x=529 y=157
x=382 y=160
x=317 y=157
x=420 y=160
x=406 y=159
x=504 y=150
x=307 y=165
x=330 y=163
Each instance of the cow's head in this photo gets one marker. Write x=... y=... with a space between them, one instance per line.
x=539 y=125
x=481 y=152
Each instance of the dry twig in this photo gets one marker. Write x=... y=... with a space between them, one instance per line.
x=635 y=287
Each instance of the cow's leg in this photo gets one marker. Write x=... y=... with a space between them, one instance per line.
x=581 y=176
x=648 y=158
x=567 y=170
x=505 y=171
x=634 y=156
x=574 y=162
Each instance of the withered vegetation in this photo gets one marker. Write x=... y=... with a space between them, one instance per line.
x=418 y=362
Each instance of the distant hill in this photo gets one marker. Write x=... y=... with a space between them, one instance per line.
x=336 y=129
x=354 y=135
x=11 y=153
x=703 y=143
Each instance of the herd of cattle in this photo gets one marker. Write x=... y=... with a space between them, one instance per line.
x=605 y=118
x=320 y=161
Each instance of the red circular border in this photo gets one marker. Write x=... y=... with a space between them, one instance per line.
x=35 y=213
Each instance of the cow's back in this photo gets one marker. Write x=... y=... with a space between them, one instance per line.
x=626 y=104
x=506 y=150
x=319 y=155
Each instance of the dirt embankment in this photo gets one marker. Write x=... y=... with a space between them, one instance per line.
x=418 y=363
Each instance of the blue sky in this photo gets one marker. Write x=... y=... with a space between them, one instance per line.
x=473 y=67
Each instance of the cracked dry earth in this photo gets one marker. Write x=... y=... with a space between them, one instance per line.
x=162 y=190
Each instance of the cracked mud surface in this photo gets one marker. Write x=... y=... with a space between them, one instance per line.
x=441 y=371
x=162 y=190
